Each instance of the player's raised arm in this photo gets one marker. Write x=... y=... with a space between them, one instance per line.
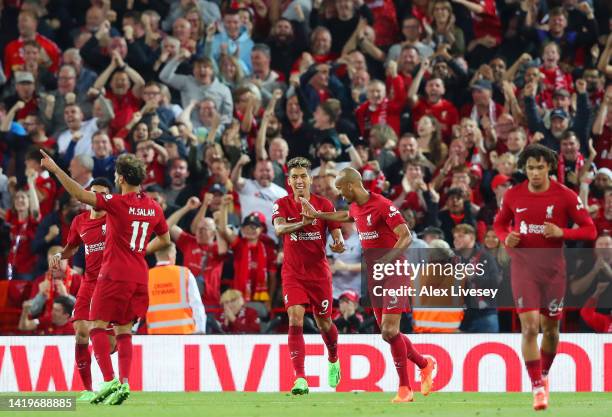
x=73 y=187
x=334 y=216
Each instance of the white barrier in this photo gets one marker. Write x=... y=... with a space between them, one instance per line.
x=489 y=362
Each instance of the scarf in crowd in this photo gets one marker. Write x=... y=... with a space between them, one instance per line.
x=492 y=113
x=561 y=167
x=52 y=292
x=256 y=290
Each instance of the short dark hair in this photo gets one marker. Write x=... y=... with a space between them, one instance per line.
x=299 y=162
x=33 y=154
x=66 y=303
x=102 y=182
x=537 y=152
x=131 y=168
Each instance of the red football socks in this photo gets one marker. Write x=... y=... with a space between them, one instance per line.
x=297 y=350
x=331 y=341
x=547 y=360
x=534 y=369
x=83 y=363
x=124 y=349
x=101 y=348
x=398 y=351
x=412 y=354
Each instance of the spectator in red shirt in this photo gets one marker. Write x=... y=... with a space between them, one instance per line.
x=58 y=323
x=251 y=257
x=23 y=219
x=155 y=157
x=46 y=188
x=236 y=317
x=380 y=107
x=204 y=252
x=125 y=101
x=434 y=104
x=13 y=53
x=554 y=78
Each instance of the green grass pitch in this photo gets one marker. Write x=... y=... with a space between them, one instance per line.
x=340 y=405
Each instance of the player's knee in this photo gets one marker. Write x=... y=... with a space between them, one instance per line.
x=388 y=333
x=296 y=320
x=530 y=330
x=324 y=324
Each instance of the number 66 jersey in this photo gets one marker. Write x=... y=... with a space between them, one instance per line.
x=130 y=220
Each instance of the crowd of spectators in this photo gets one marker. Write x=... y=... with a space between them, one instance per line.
x=431 y=100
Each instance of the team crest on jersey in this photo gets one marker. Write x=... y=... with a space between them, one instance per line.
x=108 y=196
x=549 y=211
x=369 y=220
x=523 y=228
x=579 y=206
x=104 y=229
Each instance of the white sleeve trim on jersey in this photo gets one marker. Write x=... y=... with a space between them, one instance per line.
x=195 y=302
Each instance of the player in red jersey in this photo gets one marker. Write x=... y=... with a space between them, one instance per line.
x=121 y=294
x=89 y=229
x=380 y=225
x=306 y=275
x=534 y=215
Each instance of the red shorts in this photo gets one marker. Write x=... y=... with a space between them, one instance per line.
x=319 y=294
x=83 y=300
x=544 y=293
x=119 y=302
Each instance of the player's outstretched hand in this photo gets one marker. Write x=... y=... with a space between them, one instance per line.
x=308 y=209
x=48 y=163
x=512 y=240
x=337 y=246
x=552 y=231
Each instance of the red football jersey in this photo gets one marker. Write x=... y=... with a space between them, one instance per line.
x=305 y=256
x=375 y=221
x=21 y=257
x=529 y=211
x=131 y=219
x=92 y=233
x=197 y=256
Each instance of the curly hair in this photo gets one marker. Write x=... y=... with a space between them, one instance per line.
x=131 y=168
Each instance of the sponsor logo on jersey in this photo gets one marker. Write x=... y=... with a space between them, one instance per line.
x=393 y=211
x=295 y=236
x=368 y=235
x=275 y=209
x=537 y=229
x=108 y=196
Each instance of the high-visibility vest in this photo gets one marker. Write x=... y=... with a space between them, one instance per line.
x=430 y=320
x=436 y=314
x=169 y=311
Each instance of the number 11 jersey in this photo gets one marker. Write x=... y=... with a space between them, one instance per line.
x=130 y=220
